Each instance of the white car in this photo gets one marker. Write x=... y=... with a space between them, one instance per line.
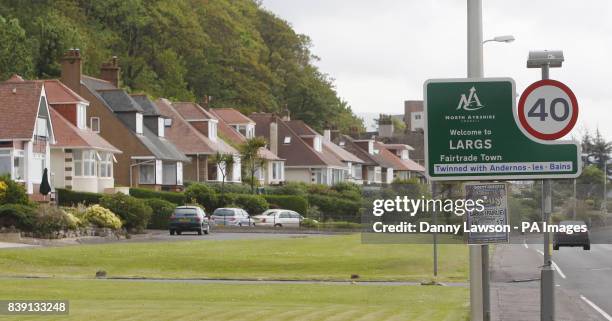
x=231 y=217
x=280 y=218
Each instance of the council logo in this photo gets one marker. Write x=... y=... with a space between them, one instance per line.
x=470 y=102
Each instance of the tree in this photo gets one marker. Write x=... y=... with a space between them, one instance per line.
x=14 y=50
x=251 y=159
x=225 y=162
x=600 y=149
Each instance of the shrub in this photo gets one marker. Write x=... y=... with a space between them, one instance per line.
x=172 y=197
x=12 y=192
x=231 y=188
x=101 y=217
x=161 y=212
x=313 y=212
x=202 y=194
x=50 y=219
x=336 y=208
x=134 y=212
x=20 y=216
x=71 y=198
x=291 y=188
x=225 y=200
x=309 y=223
x=253 y=204
x=290 y=202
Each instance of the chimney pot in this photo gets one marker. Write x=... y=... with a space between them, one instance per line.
x=71 y=69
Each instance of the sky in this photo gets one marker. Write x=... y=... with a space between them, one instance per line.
x=381 y=52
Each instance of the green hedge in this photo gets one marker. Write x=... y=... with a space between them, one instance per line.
x=134 y=212
x=177 y=198
x=162 y=210
x=336 y=208
x=289 y=202
x=253 y=204
x=71 y=198
x=20 y=216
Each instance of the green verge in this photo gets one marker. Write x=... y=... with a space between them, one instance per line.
x=126 y=300
x=301 y=258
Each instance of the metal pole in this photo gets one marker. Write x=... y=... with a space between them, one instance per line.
x=475 y=70
x=435 y=235
x=575 y=201
x=547 y=276
x=605 y=195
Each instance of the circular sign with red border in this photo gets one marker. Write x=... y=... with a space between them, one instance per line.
x=548 y=109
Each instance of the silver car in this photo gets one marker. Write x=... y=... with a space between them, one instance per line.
x=231 y=217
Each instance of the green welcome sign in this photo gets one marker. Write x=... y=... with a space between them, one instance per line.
x=472 y=133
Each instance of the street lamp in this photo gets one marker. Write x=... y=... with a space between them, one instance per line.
x=506 y=39
x=546 y=59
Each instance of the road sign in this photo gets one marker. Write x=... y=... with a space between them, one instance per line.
x=472 y=133
x=548 y=110
x=495 y=214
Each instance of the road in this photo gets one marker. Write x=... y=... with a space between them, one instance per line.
x=583 y=282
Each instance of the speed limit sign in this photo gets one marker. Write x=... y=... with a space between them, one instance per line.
x=548 y=109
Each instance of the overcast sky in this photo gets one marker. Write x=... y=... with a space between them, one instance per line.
x=381 y=52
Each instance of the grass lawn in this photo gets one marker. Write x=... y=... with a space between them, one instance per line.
x=124 y=300
x=317 y=258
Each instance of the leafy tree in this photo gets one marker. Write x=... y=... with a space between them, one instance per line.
x=15 y=55
x=251 y=160
x=225 y=163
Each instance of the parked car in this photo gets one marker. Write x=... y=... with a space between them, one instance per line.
x=280 y=218
x=264 y=215
x=231 y=217
x=189 y=218
x=574 y=239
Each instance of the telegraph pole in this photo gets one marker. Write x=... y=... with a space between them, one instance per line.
x=478 y=275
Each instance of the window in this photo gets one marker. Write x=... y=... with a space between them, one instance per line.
x=320 y=176
x=287 y=140
x=167 y=122
x=94 y=124
x=81 y=116
x=18 y=165
x=138 y=123
x=377 y=174
x=417 y=116
x=41 y=127
x=5 y=162
x=250 y=131
x=277 y=171
x=169 y=173
x=318 y=144
x=84 y=162
x=212 y=130
x=337 y=176
x=106 y=165
x=146 y=173
x=160 y=127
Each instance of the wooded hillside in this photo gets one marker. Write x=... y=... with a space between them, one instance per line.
x=233 y=50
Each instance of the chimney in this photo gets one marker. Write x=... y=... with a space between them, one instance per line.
x=327 y=135
x=206 y=101
x=71 y=69
x=286 y=114
x=110 y=71
x=274 y=136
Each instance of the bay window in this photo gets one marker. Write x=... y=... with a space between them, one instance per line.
x=106 y=165
x=5 y=162
x=277 y=171
x=18 y=165
x=169 y=173
x=84 y=162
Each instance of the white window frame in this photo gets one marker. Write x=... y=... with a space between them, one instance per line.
x=81 y=116
x=139 y=123
x=105 y=166
x=95 y=120
x=41 y=127
x=212 y=130
x=318 y=144
x=7 y=153
x=140 y=176
x=160 y=126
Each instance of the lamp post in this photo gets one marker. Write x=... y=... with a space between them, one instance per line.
x=506 y=39
x=545 y=60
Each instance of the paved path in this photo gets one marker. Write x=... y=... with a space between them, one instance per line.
x=6 y=245
x=515 y=284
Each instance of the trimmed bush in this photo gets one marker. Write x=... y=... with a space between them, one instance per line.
x=71 y=198
x=203 y=195
x=134 y=212
x=20 y=216
x=101 y=217
x=225 y=200
x=289 y=202
x=12 y=192
x=290 y=188
x=336 y=208
x=253 y=204
x=177 y=198
x=161 y=212
x=231 y=187
x=50 y=219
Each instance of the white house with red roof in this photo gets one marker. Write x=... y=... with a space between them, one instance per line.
x=81 y=160
x=26 y=132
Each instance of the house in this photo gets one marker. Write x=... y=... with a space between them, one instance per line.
x=354 y=164
x=207 y=125
x=26 y=132
x=195 y=144
x=413 y=115
x=81 y=160
x=402 y=151
x=306 y=158
x=148 y=158
x=236 y=128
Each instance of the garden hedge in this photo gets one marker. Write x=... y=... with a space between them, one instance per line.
x=289 y=202
x=71 y=198
x=177 y=198
x=335 y=208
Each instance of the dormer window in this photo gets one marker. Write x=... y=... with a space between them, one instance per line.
x=81 y=116
x=160 y=126
x=41 y=127
x=250 y=132
x=318 y=144
x=167 y=122
x=212 y=130
x=138 y=123
x=287 y=140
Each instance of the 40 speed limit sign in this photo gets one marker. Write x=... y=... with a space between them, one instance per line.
x=548 y=110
